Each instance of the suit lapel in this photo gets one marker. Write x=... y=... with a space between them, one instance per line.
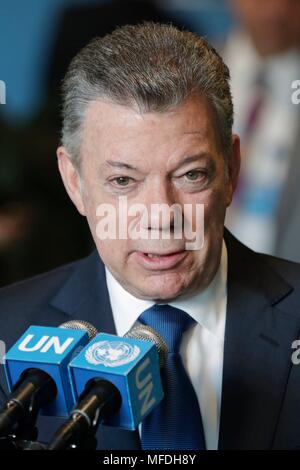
x=84 y=296
x=257 y=351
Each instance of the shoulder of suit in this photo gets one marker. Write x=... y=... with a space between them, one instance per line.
x=288 y=270
x=38 y=289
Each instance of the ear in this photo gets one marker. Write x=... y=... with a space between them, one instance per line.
x=71 y=178
x=234 y=165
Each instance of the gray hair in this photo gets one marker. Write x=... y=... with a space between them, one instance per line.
x=154 y=66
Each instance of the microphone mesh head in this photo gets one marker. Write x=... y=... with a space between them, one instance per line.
x=146 y=333
x=80 y=325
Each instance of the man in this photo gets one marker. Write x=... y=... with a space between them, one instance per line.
x=148 y=118
x=263 y=55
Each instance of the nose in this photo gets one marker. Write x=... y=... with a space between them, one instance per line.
x=158 y=201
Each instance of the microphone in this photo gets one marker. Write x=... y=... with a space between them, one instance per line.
x=36 y=369
x=118 y=380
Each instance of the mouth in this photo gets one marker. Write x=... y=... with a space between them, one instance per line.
x=153 y=255
x=160 y=260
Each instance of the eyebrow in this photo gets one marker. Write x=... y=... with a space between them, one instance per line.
x=192 y=159
x=121 y=165
x=185 y=161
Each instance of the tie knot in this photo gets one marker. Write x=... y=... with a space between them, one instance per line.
x=169 y=322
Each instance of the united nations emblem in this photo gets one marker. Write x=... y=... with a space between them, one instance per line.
x=112 y=353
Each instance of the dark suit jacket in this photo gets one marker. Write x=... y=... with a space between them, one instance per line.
x=261 y=387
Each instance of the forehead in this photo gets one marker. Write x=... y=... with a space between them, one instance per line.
x=110 y=128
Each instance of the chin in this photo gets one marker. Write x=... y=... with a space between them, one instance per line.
x=165 y=287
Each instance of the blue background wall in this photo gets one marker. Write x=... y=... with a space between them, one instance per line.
x=27 y=29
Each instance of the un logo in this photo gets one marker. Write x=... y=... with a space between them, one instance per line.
x=112 y=353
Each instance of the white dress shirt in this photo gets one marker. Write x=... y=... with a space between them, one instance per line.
x=202 y=345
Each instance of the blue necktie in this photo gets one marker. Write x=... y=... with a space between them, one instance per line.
x=176 y=423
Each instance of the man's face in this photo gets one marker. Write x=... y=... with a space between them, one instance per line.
x=168 y=158
x=273 y=25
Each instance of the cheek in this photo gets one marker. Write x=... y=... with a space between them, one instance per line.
x=93 y=199
x=216 y=204
x=113 y=253
x=92 y=220
x=213 y=202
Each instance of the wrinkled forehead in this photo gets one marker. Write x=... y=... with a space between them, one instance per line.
x=114 y=131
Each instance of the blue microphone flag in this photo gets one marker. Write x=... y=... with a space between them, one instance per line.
x=132 y=365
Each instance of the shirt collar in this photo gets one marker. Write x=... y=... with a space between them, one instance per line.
x=206 y=307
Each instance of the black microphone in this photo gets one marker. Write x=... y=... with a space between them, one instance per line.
x=100 y=400
x=34 y=390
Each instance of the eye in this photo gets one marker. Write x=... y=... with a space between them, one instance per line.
x=122 y=180
x=194 y=175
